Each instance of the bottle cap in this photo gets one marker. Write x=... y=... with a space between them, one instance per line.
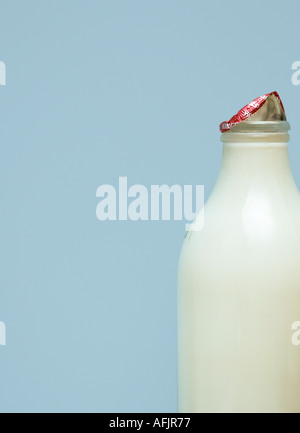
x=266 y=108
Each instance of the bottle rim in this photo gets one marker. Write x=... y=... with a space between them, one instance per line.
x=251 y=132
x=260 y=127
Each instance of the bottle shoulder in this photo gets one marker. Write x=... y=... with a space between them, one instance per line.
x=259 y=225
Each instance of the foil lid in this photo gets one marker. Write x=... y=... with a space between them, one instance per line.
x=266 y=108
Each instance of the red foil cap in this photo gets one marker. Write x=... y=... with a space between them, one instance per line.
x=252 y=108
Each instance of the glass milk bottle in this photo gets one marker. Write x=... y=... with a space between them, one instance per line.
x=239 y=282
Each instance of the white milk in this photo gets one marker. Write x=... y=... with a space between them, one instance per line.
x=239 y=284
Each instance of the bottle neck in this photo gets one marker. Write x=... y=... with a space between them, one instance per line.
x=255 y=161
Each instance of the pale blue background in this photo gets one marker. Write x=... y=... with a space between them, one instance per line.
x=97 y=90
